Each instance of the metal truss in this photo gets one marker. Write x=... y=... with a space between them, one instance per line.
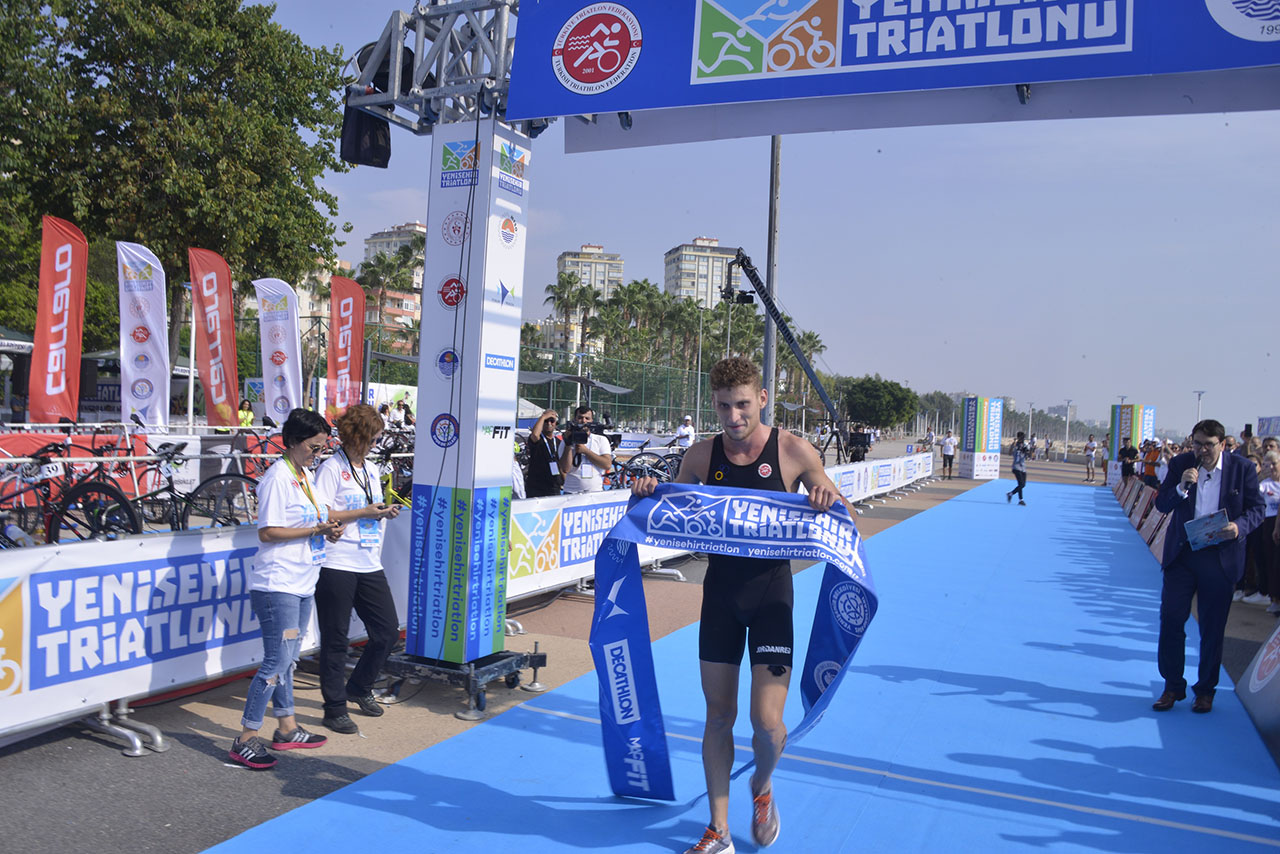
x=446 y=61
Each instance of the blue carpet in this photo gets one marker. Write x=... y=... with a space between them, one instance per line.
x=1000 y=702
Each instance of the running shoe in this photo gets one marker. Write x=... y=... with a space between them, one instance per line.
x=712 y=843
x=1237 y=595
x=1257 y=599
x=368 y=705
x=252 y=753
x=1022 y=503
x=341 y=723
x=298 y=738
x=765 y=822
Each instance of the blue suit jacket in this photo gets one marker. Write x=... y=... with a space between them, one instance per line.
x=1238 y=495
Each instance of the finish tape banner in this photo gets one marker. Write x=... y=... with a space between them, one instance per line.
x=739 y=522
x=144 y=336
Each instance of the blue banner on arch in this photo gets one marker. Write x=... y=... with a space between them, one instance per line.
x=739 y=522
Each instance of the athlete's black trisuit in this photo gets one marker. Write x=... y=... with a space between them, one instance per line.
x=746 y=598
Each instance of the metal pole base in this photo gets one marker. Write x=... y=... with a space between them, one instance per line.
x=470 y=715
x=158 y=743
x=101 y=722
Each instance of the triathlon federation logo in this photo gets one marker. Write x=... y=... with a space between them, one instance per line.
x=451 y=292
x=1255 y=20
x=690 y=515
x=140 y=334
x=753 y=37
x=850 y=607
x=458 y=164
x=444 y=430
x=596 y=48
x=278 y=358
x=456 y=228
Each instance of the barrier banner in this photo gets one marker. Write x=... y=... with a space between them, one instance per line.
x=144 y=336
x=54 y=390
x=281 y=348
x=216 y=361
x=346 y=345
x=1268 y=426
x=739 y=522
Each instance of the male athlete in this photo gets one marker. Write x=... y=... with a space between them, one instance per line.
x=746 y=599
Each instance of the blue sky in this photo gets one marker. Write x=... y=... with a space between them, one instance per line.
x=1076 y=259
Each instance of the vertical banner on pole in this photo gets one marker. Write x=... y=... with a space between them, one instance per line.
x=346 y=346
x=980 y=438
x=1132 y=421
x=472 y=286
x=144 y=336
x=215 y=330
x=281 y=347
x=54 y=389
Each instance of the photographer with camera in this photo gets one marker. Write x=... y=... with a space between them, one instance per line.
x=586 y=456
x=543 y=477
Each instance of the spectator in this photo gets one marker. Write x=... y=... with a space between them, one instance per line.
x=1128 y=456
x=584 y=463
x=385 y=412
x=1032 y=445
x=1020 y=451
x=1150 y=463
x=543 y=478
x=397 y=415
x=348 y=483
x=1048 y=446
x=407 y=414
x=1268 y=545
x=292 y=528
x=948 y=443
x=1090 y=448
x=246 y=413
x=685 y=433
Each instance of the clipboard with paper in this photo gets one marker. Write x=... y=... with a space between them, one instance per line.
x=1203 y=532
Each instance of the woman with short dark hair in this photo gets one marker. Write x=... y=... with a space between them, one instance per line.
x=352 y=576
x=292 y=528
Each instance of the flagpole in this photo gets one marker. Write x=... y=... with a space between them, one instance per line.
x=191 y=366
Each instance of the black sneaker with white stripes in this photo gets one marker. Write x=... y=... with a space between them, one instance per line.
x=368 y=705
x=297 y=738
x=252 y=753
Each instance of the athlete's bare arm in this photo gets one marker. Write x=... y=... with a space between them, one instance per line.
x=693 y=469
x=801 y=464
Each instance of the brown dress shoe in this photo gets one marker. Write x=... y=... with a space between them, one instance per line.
x=1166 y=701
x=1203 y=704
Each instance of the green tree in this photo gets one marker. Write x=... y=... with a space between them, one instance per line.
x=877 y=402
x=171 y=123
x=563 y=299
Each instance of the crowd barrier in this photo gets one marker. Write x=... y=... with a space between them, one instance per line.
x=83 y=624
x=1138 y=501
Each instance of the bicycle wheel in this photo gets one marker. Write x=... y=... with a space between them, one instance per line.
x=93 y=510
x=672 y=462
x=222 y=501
x=648 y=459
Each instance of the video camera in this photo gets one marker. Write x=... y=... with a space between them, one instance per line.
x=859 y=445
x=576 y=434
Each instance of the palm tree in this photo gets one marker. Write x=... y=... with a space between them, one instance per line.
x=380 y=274
x=562 y=297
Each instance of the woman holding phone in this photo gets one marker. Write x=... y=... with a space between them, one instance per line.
x=293 y=526
x=352 y=576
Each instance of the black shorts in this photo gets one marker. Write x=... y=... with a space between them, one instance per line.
x=741 y=602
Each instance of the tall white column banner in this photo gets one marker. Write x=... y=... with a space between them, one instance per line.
x=472 y=287
x=281 y=347
x=144 y=336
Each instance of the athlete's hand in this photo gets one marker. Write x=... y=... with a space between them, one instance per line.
x=821 y=498
x=644 y=486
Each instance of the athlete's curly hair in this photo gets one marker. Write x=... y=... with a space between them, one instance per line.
x=735 y=371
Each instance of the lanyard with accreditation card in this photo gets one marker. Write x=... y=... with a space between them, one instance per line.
x=316 y=541
x=367 y=528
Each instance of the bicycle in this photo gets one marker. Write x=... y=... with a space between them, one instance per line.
x=222 y=500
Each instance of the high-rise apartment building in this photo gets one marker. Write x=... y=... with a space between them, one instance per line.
x=390 y=241
x=595 y=267
x=696 y=270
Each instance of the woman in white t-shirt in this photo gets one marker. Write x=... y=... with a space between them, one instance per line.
x=352 y=577
x=1266 y=537
x=292 y=528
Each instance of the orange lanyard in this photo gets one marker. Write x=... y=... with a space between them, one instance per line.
x=301 y=480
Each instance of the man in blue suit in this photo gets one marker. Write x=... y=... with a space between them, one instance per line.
x=1199 y=483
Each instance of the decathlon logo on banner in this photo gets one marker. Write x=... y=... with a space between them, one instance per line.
x=458 y=164
x=621 y=683
x=1255 y=20
x=451 y=292
x=596 y=48
x=500 y=363
x=512 y=160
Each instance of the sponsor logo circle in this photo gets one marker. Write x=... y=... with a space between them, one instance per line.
x=139 y=308
x=456 y=228
x=281 y=405
x=849 y=605
x=346 y=475
x=596 y=48
x=447 y=363
x=764 y=470
x=140 y=334
x=825 y=673
x=279 y=381
x=142 y=389
x=1254 y=20
x=142 y=361
x=278 y=358
x=276 y=333
x=1268 y=664
x=444 y=430
x=451 y=292
x=508 y=230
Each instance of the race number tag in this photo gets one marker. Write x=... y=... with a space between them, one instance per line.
x=49 y=471
x=368 y=530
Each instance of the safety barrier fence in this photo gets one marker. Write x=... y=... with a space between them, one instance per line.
x=86 y=624
x=1138 y=501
